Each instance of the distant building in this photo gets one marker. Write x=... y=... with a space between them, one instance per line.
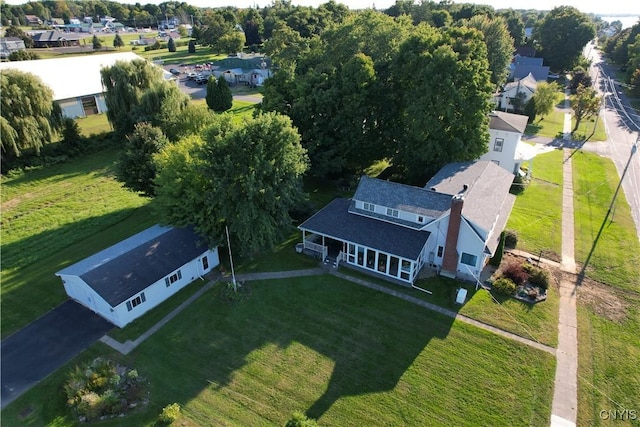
x=76 y=81
x=8 y=45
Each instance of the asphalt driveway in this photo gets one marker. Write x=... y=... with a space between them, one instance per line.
x=31 y=354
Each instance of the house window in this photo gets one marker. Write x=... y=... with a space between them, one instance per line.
x=392 y=212
x=136 y=301
x=168 y=281
x=352 y=252
x=468 y=259
x=205 y=263
x=368 y=207
x=440 y=249
x=497 y=146
x=89 y=105
x=497 y=162
x=420 y=219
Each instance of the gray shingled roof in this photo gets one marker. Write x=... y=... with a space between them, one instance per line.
x=487 y=188
x=499 y=120
x=127 y=268
x=406 y=198
x=335 y=221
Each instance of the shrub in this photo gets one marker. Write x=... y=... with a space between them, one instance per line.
x=516 y=272
x=102 y=388
x=539 y=277
x=301 y=420
x=504 y=286
x=170 y=413
x=510 y=239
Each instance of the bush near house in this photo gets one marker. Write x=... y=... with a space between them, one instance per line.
x=516 y=272
x=504 y=286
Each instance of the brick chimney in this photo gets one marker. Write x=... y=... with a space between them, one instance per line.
x=450 y=260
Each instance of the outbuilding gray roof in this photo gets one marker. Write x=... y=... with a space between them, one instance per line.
x=483 y=184
x=127 y=268
x=335 y=221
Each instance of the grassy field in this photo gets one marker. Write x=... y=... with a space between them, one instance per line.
x=56 y=216
x=536 y=322
x=589 y=130
x=94 y=124
x=537 y=213
x=608 y=375
x=343 y=353
x=609 y=248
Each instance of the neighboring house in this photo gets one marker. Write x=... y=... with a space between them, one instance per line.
x=33 y=20
x=529 y=51
x=123 y=282
x=505 y=133
x=526 y=87
x=8 y=45
x=521 y=66
x=251 y=69
x=75 y=81
x=56 y=38
x=452 y=225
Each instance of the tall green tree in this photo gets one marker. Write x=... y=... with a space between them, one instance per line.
x=117 y=41
x=26 y=113
x=544 y=99
x=585 y=104
x=171 y=45
x=443 y=82
x=136 y=168
x=561 y=36
x=231 y=42
x=499 y=45
x=246 y=176
x=514 y=24
x=97 y=44
x=219 y=97
x=125 y=83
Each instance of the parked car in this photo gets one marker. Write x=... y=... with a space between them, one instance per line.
x=174 y=71
x=192 y=76
x=201 y=79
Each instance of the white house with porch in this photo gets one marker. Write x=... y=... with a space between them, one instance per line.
x=392 y=230
x=126 y=280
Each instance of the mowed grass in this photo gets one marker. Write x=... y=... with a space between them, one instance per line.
x=608 y=374
x=608 y=251
x=94 y=124
x=551 y=126
x=344 y=354
x=537 y=214
x=55 y=216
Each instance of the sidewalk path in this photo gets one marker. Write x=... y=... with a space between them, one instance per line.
x=565 y=393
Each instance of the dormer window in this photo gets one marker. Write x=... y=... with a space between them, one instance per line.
x=392 y=212
x=368 y=207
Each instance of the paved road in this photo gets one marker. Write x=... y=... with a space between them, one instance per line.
x=622 y=133
x=34 y=352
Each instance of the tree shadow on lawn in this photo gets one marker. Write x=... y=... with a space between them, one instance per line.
x=371 y=338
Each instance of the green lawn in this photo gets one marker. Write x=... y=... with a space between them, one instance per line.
x=343 y=353
x=537 y=322
x=609 y=248
x=94 y=124
x=589 y=130
x=608 y=375
x=550 y=126
x=55 y=216
x=537 y=213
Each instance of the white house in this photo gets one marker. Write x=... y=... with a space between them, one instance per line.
x=75 y=81
x=452 y=225
x=505 y=147
x=126 y=280
x=523 y=88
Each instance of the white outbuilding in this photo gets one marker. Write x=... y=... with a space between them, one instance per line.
x=126 y=280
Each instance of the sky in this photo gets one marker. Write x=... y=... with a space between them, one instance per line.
x=609 y=7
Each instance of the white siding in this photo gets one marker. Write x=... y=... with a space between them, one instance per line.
x=506 y=157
